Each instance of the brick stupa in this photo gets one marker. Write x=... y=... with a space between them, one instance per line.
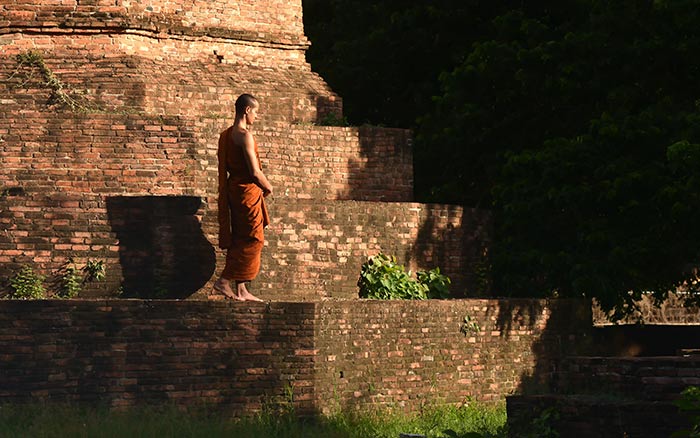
x=109 y=119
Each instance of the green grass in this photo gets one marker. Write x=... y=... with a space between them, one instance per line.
x=44 y=421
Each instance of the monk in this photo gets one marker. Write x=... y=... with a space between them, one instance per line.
x=242 y=213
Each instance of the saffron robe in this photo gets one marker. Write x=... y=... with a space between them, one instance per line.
x=242 y=212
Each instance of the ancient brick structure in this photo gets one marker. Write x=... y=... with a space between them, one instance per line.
x=109 y=118
x=321 y=356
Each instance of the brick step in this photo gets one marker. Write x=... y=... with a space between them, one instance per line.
x=314 y=248
x=643 y=378
x=196 y=86
x=584 y=416
x=147 y=154
x=362 y=164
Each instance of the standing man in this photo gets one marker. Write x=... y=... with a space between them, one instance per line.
x=243 y=188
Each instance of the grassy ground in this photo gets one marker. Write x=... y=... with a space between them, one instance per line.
x=43 y=421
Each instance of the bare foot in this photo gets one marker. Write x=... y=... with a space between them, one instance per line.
x=243 y=294
x=223 y=286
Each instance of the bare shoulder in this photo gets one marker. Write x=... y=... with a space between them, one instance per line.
x=242 y=137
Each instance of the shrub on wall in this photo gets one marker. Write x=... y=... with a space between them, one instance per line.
x=27 y=285
x=71 y=279
x=383 y=278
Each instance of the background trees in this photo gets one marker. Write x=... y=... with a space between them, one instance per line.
x=577 y=122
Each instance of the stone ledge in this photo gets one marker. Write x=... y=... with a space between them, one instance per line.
x=585 y=416
x=156 y=29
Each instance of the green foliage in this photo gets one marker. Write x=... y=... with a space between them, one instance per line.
x=579 y=125
x=71 y=279
x=384 y=57
x=469 y=326
x=437 y=283
x=689 y=404
x=382 y=278
x=26 y=285
x=94 y=270
x=542 y=426
x=149 y=421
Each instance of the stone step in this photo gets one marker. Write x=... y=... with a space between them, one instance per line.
x=643 y=378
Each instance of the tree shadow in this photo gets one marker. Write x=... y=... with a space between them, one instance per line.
x=162 y=249
x=383 y=171
x=558 y=328
x=456 y=240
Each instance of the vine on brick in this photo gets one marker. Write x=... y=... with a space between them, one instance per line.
x=59 y=95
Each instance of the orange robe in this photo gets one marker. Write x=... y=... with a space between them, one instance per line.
x=242 y=212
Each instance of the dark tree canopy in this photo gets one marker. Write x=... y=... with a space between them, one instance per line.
x=384 y=58
x=577 y=122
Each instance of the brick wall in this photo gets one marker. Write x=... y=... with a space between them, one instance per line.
x=312 y=251
x=405 y=354
x=198 y=79
x=127 y=352
x=331 y=163
x=325 y=245
x=241 y=355
x=614 y=396
x=67 y=176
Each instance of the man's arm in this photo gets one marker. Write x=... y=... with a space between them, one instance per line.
x=253 y=166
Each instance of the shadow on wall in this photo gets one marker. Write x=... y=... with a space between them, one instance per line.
x=383 y=171
x=559 y=327
x=460 y=251
x=162 y=249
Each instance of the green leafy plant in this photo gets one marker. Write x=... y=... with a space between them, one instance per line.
x=689 y=404
x=27 y=285
x=438 y=284
x=94 y=270
x=542 y=426
x=381 y=277
x=71 y=279
x=469 y=326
